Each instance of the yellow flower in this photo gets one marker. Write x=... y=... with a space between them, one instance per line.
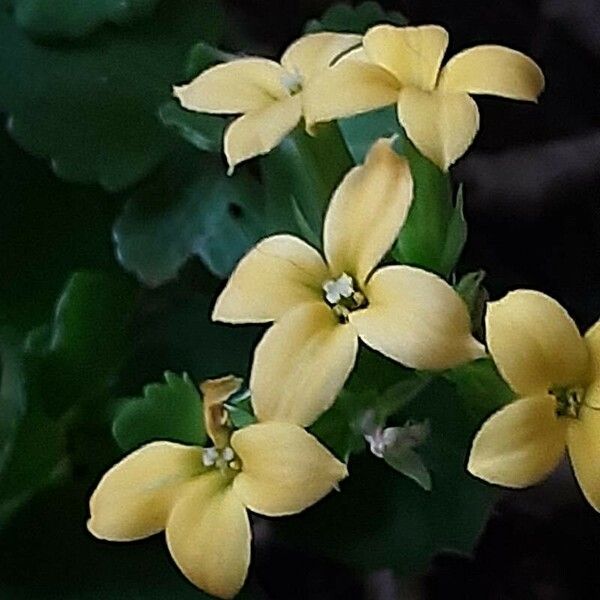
x=402 y=65
x=268 y=94
x=321 y=307
x=556 y=373
x=199 y=496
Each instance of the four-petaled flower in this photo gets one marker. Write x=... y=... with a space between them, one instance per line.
x=321 y=307
x=556 y=374
x=268 y=94
x=402 y=65
x=199 y=496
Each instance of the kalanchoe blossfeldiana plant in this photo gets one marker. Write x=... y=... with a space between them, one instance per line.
x=268 y=94
x=322 y=306
x=401 y=65
x=200 y=496
x=556 y=374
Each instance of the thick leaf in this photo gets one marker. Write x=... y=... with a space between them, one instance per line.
x=47 y=230
x=175 y=331
x=300 y=175
x=382 y=519
x=410 y=464
x=482 y=388
x=456 y=236
x=92 y=109
x=190 y=208
x=435 y=231
x=78 y=355
x=345 y=18
x=203 y=131
x=361 y=132
x=71 y=18
x=167 y=411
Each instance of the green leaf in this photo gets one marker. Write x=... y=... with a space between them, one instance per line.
x=203 y=131
x=381 y=519
x=481 y=386
x=77 y=356
x=167 y=411
x=435 y=230
x=471 y=290
x=362 y=131
x=47 y=230
x=345 y=18
x=72 y=19
x=300 y=176
x=456 y=236
x=91 y=109
x=190 y=208
x=410 y=464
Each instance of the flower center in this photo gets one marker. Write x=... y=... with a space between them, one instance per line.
x=343 y=295
x=224 y=459
x=292 y=81
x=568 y=400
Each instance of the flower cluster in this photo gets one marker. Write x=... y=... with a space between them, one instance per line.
x=322 y=304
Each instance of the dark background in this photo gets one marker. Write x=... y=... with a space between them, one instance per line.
x=532 y=185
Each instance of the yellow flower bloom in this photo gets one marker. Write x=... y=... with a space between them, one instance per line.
x=556 y=373
x=322 y=306
x=199 y=496
x=268 y=94
x=402 y=65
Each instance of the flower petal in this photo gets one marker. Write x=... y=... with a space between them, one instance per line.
x=520 y=444
x=412 y=54
x=208 y=534
x=301 y=364
x=592 y=341
x=416 y=318
x=234 y=87
x=583 y=442
x=260 y=130
x=279 y=273
x=493 y=70
x=315 y=52
x=350 y=87
x=133 y=499
x=366 y=212
x=215 y=392
x=442 y=126
x=535 y=343
x=285 y=469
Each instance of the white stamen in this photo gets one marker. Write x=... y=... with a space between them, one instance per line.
x=292 y=81
x=336 y=289
x=227 y=454
x=209 y=456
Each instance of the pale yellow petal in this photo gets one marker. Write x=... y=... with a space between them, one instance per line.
x=592 y=340
x=234 y=87
x=583 y=442
x=259 y=131
x=215 y=392
x=133 y=498
x=279 y=273
x=301 y=364
x=520 y=444
x=535 y=343
x=416 y=318
x=284 y=468
x=493 y=70
x=349 y=88
x=315 y=52
x=366 y=212
x=442 y=126
x=412 y=54
x=208 y=534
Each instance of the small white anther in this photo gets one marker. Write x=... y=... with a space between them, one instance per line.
x=336 y=289
x=227 y=454
x=209 y=456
